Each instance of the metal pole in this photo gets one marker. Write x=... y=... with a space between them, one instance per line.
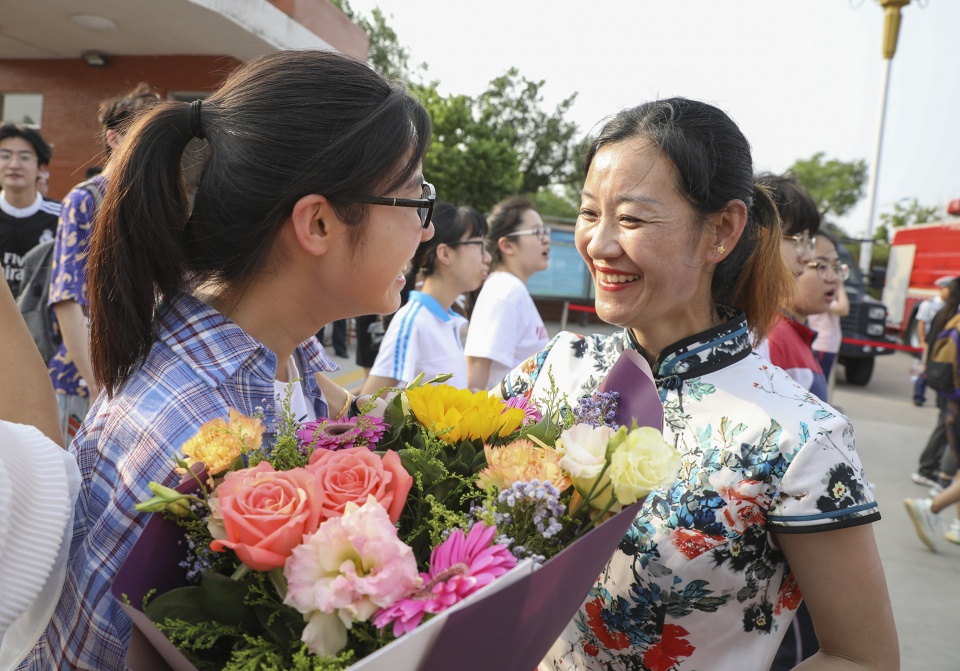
x=866 y=248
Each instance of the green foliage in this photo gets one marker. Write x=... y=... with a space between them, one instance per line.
x=512 y=105
x=836 y=186
x=552 y=204
x=442 y=492
x=285 y=454
x=386 y=55
x=485 y=149
x=909 y=215
x=468 y=162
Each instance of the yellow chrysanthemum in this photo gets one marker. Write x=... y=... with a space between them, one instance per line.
x=461 y=414
x=521 y=461
x=218 y=443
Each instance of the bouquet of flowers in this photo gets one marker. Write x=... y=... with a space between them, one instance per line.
x=330 y=540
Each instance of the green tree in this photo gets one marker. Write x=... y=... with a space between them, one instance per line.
x=386 y=55
x=836 y=186
x=910 y=214
x=467 y=161
x=513 y=106
x=483 y=150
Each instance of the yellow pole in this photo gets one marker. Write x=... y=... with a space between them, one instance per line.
x=891 y=25
x=891 y=31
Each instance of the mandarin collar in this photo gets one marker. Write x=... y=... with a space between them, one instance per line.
x=704 y=352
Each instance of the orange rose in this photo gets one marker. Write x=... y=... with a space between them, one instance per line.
x=349 y=476
x=266 y=513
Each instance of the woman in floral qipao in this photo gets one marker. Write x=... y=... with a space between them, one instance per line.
x=771 y=502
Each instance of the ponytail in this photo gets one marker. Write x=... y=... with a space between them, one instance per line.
x=136 y=250
x=760 y=280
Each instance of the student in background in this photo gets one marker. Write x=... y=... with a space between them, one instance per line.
x=424 y=336
x=26 y=217
x=70 y=368
x=505 y=326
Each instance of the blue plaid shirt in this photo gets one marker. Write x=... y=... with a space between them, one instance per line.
x=200 y=365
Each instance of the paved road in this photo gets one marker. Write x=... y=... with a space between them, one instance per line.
x=924 y=587
x=891 y=432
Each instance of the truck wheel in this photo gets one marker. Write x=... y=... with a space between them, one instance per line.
x=859 y=371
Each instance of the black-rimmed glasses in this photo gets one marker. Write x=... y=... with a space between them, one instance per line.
x=804 y=242
x=424 y=205
x=828 y=270
x=542 y=233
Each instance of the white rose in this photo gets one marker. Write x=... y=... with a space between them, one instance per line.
x=584 y=449
x=641 y=463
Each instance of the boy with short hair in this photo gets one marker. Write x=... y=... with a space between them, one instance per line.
x=26 y=217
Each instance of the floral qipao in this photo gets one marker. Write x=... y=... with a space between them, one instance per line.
x=699 y=581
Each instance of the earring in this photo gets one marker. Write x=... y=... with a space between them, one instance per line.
x=721 y=249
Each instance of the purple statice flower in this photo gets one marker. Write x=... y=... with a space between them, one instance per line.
x=340 y=434
x=598 y=409
x=530 y=413
x=526 y=514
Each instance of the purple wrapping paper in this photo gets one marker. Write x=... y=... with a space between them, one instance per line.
x=639 y=400
x=512 y=628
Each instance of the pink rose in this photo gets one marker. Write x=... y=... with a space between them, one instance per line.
x=266 y=513
x=351 y=475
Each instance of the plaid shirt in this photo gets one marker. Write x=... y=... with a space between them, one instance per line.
x=200 y=365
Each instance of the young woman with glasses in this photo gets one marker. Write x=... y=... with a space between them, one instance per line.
x=424 y=336
x=310 y=204
x=505 y=327
x=824 y=300
x=771 y=505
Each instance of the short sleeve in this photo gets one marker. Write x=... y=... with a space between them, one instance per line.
x=69 y=276
x=495 y=325
x=400 y=348
x=824 y=487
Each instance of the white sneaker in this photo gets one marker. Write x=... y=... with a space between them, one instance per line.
x=924 y=520
x=953 y=533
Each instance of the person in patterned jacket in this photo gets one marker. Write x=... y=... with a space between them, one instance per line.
x=70 y=367
x=771 y=505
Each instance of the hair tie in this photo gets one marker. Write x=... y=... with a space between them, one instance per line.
x=195 y=129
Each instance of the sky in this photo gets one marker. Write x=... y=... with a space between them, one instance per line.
x=798 y=76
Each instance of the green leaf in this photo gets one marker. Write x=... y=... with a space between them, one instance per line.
x=223 y=599
x=182 y=603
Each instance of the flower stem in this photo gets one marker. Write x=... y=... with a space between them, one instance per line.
x=593 y=520
x=241 y=571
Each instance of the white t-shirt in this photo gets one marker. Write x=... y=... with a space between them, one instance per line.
x=928 y=309
x=422 y=338
x=505 y=326
x=302 y=410
x=829 y=334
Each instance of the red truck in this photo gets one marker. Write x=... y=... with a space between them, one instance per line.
x=919 y=255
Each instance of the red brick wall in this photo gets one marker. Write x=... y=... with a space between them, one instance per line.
x=329 y=23
x=72 y=91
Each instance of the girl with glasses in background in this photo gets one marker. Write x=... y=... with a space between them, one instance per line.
x=424 y=335
x=505 y=326
x=300 y=218
x=824 y=280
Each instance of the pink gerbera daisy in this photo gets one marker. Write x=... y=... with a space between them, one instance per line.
x=327 y=434
x=459 y=566
x=530 y=413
